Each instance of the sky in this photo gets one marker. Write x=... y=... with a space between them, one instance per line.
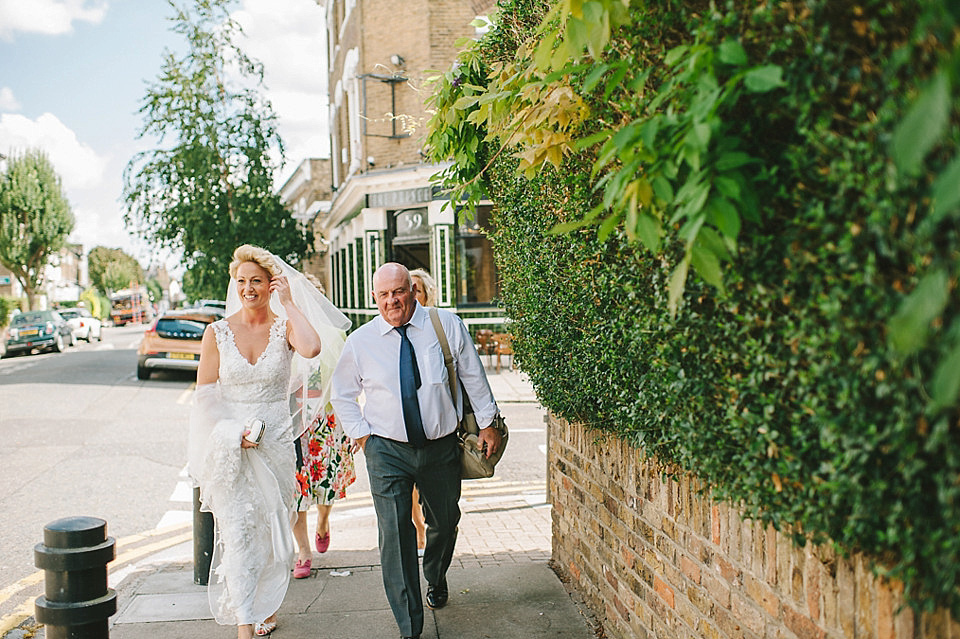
x=73 y=74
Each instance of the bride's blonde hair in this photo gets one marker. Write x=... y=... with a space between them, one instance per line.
x=260 y=257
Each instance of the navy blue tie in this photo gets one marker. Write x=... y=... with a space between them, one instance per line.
x=409 y=383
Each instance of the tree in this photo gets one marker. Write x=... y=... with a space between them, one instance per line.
x=209 y=187
x=35 y=218
x=112 y=269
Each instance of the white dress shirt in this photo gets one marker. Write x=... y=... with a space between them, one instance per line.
x=370 y=364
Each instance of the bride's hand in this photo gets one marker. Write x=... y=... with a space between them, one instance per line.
x=246 y=443
x=281 y=287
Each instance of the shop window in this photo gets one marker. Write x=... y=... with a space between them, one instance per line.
x=477 y=280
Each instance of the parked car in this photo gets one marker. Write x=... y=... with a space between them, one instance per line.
x=173 y=341
x=85 y=326
x=41 y=330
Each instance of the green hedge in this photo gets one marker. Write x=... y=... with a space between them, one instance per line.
x=802 y=384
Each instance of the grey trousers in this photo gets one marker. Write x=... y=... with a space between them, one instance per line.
x=394 y=467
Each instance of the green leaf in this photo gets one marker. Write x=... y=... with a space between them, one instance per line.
x=909 y=327
x=763 y=79
x=678 y=281
x=923 y=126
x=648 y=230
x=732 y=160
x=946 y=380
x=727 y=186
x=732 y=52
x=711 y=240
x=674 y=55
x=946 y=192
x=614 y=81
x=593 y=78
x=724 y=216
x=466 y=102
x=544 y=52
x=662 y=189
x=707 y=266
x=590 y=140
x=607 y=226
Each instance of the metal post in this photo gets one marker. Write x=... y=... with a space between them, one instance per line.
x=202 y=541
x=76 y=603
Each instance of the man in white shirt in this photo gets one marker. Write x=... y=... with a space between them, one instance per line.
x=407 y=430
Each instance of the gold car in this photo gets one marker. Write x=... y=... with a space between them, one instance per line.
x=173 y=341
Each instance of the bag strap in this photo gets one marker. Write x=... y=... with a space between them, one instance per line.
x=447 y=357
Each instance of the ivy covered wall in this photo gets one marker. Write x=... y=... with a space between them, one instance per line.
x=728 y=234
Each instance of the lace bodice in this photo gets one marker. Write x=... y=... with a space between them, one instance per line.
x=267 y=379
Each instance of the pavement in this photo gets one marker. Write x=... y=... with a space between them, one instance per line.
x=501 y=582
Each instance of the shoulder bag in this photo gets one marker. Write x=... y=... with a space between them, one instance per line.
x=474 y=464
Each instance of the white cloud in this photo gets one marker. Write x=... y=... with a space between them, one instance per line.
x=49 y=17
x=79 y=166
x=7 y=100
x=289 y=38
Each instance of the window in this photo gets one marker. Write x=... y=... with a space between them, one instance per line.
x=477 y=279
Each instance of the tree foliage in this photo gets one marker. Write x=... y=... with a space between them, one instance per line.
x=35 y=218
x=112 y=269
x=801 y=159
x=209 y=186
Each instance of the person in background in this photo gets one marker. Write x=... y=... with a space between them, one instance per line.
x=425 y=289
x=325 y=468
x=407 y=429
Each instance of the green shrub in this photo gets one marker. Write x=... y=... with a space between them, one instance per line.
x=7 y=304
x=816 y=378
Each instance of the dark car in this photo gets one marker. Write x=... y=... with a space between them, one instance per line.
x=41 y=330
x=173 y=341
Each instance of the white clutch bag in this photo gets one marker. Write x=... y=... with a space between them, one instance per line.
x=254 y=430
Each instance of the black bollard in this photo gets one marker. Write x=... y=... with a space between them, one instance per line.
x=76 y=603
x=202 y=541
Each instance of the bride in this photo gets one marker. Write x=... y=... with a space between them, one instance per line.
x=241 y=436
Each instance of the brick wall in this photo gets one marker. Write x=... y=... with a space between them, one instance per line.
x=654 y=559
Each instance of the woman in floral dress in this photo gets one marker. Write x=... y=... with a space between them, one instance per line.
x=326 y=472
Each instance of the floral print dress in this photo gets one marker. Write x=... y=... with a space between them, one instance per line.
x=328 y=466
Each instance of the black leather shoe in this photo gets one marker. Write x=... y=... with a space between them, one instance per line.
x=437 y=595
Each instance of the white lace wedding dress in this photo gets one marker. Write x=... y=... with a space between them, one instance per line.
x=250 y=491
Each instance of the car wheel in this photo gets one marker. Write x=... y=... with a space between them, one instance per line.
x=58 y=344
x=143 y=372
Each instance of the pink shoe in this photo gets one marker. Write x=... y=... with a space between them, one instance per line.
x=323 y=543
x=302 y=569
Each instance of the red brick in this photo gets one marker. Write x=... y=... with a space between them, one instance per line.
x=763 y=595
x=715 y=524
x=801 y=626
x=622 y=610
x=813 y=569
x=747 y=613
x=885 y=626
x=718 y=589
x=611 y=578
x=728 y=571
x=663 y=589
x=690 y=568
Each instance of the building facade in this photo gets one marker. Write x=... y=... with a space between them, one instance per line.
x=383 y=206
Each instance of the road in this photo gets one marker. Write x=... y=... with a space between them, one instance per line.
x=82 y=436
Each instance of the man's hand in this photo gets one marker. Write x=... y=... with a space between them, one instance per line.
x=362 y=442
x=489 y=440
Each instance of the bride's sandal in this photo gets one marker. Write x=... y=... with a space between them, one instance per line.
x=264 y=628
